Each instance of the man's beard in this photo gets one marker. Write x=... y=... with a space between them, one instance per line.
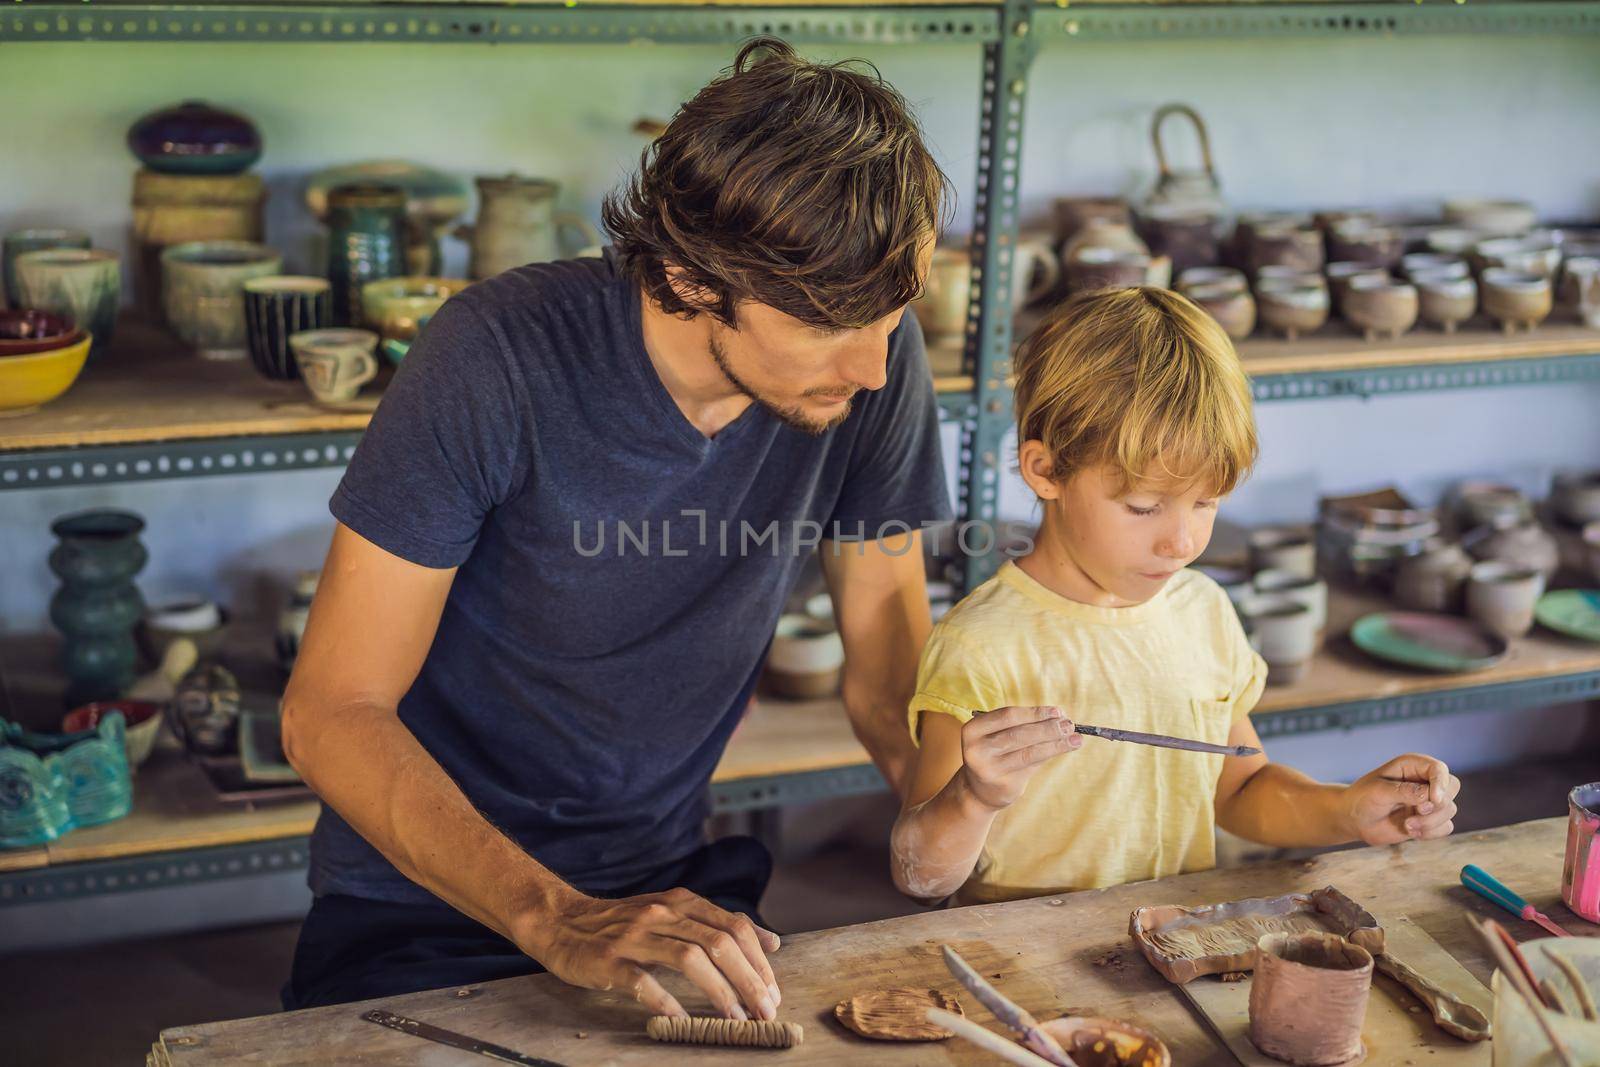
x=793 y=415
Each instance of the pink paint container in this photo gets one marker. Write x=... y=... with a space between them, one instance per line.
x=1580 y=878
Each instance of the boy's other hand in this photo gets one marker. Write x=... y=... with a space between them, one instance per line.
x=1001 y=750
x=1410 y=797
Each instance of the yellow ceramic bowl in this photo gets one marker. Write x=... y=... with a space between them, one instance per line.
x=38 y=378
x=395 y=306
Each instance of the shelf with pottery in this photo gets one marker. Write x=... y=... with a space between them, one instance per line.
x=149 y=390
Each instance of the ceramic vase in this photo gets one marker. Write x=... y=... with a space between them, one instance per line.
x=195 y=138
x=942 y=306
x=203 y=292
x=20 y=242
x=366 y=242
x=83 y=284
x=518 y=223
x=98 y=605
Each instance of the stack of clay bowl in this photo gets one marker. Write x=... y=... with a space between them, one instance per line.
x=1515 y=264
x=1285 y=607
x=1363 y=538
x=1515 y=556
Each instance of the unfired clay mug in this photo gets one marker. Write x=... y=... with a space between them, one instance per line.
x=335 y=363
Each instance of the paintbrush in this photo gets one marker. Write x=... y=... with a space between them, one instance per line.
x=1163 y=741
x=1489 y=931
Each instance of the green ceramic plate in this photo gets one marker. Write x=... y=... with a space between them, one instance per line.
x=1427 y=641
x=1574 y=612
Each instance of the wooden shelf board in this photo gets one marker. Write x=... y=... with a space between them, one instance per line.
x=1336 y=347
x=148 y=388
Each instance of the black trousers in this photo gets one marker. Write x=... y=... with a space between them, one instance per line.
x=351 y=948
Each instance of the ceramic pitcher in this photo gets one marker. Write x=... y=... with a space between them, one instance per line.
x=518 y=223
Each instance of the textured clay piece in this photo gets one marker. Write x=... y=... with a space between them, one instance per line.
x=1185 y=943
x=896 y=1014
x=1094 y=1042
x=742 y=1033
x=1297 y=971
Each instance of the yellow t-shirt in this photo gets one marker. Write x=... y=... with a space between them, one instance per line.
x=1112 y=812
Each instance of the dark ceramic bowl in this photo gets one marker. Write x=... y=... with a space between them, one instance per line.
x=195 y=138
x=24 y=331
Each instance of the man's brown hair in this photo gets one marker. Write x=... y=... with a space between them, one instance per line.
x=802 y=186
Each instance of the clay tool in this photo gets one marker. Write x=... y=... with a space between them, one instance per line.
x=1013 y=1015
x=1452 y=1014
x=1491 y=934
x=1487 y=886
x=438 y=1034
x=739 y=1033
x=987 y=1040
x=1163 y=741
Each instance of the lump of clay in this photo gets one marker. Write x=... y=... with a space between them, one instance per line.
x=896 y=1014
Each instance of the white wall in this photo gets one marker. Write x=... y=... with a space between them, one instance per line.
x=1393 y=124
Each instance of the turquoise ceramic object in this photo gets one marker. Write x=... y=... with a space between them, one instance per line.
x=366 y=242
x=1573 y=612
x=51 y=783
x=1427 y=641
x=84 y=284
x=97 y=605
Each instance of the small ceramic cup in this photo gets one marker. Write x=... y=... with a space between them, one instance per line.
x=1231 y=305
x=1434 y=264
x=19 y=242
x=1580 y=288
x=335 y=363
x=1342 y=273
x=202 y=292
x=1292 y=307
x=1283 y=548
x=1516 y=298
x=1380 y=307
x=1444 y=301
x=1196 y=277
x=1502 y=595
x=805 y=659
x=1312 y=592
x=1576 y=496
x=82 y=283
x=397 y=307
x=276 y=308
x=1284 y=631
x=942 y=307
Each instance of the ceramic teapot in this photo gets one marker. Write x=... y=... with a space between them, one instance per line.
x=518 y=223
x=1190 y=192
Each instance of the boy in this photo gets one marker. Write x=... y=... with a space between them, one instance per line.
x=1134 y=421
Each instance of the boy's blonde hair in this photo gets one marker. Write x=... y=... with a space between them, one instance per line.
x=1141 y=380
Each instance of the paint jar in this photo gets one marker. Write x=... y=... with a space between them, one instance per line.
x=1580 y=877
x=1293 y=972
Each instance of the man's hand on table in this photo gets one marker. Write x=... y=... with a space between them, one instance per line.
x=1410 y=797
x=609 y=944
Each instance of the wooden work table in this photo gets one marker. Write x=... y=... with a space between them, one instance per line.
x=1054 y=955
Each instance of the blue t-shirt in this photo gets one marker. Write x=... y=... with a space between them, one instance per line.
x=586 y=675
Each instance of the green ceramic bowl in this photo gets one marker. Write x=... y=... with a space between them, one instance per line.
x=1427 y=641
x=1574 y=612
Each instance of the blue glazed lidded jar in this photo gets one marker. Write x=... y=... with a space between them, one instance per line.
x=195 y=138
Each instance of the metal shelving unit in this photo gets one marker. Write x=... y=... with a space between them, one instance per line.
x=1009 y=33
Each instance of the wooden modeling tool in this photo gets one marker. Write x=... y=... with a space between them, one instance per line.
x=1489 y=888
x=1490 y=932
x=1163 y=741
x=739 y=1033
x=1013 y=1015
x=438 y=1034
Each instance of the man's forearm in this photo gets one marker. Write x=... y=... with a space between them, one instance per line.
x=877 y=712
x=1282 y=807
x=365 y=764
x=935 y=845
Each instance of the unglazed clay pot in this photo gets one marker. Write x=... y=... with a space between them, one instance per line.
x=1434 y=265
x=1342 y=273
x=1525 y=544
x=1198 y=276
x=942 y=306
x=1233 y=308
x=1445 y=301
x=1292 y=308
x=1248 y=224
x=1312 y=592
x=1186 y=236
x=1285 y=246
x=1580 y=288
x=1073 y=213
x=1576 y=496
x=1496 y=218
x=1489 y=504
x=1284 y=631
x=1103 y=234
x=1308 y=997
x=1532 y=254
x=1435 y=579
x=1283 y=548
x=1382 y=246
x=1292 y=276
x=1106 y=268
x=1452 y=240
x=1381 y=307
x=1515 y=298
x=1502 y=595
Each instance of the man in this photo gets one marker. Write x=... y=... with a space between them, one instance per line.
x=512 y=717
